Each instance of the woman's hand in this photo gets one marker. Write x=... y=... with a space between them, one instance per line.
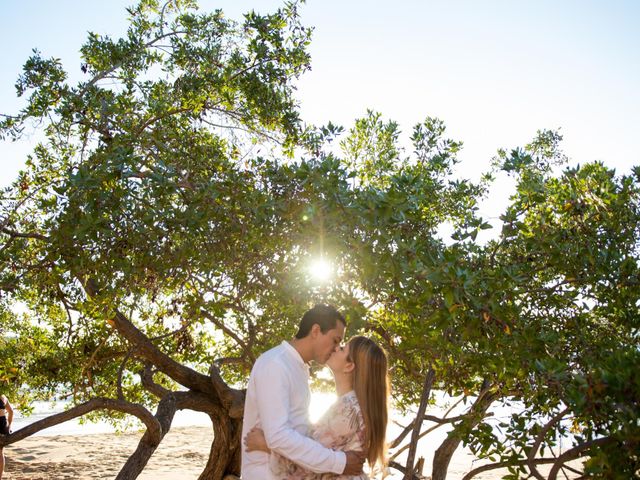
x=255 y=441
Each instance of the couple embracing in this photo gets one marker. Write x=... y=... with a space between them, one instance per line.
x=279 y=441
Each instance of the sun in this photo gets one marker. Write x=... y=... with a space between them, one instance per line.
x=320 y=270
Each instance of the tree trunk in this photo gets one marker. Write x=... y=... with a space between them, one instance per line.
x=147 y=445
x=445 y=451
x=208 y=393
x=443 y=456
x=224 y=457
x=415 y=435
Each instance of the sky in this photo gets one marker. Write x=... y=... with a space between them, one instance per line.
x=495 y=71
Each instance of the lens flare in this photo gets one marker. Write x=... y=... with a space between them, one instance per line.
x=320 y=270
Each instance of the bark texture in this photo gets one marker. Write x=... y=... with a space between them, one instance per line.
x=447 y=448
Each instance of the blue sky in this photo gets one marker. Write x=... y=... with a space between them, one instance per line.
x=495 y=71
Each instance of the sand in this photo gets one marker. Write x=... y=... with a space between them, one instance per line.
x=182 y=455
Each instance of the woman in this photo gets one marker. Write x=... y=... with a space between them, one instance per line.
x=6 y=417
x=356 y=421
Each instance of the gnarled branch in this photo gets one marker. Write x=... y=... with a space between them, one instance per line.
x=507 y=463
x=574 y=453
x=415 y=435
x=145 y=348
x=100 y=403
x=536 y=444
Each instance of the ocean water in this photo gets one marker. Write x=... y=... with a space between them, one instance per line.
x=183 y=418
x=42 y=410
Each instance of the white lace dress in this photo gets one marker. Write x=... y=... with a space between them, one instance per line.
x=340 y=428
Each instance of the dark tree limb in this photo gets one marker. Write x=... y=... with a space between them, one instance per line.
x=153 y=427
x=536 y=444
x=505 y=464
x=121 y=372
x=14 y=234
x=574 y=453
x=169 y=404
x=403 y=469
x=149 y=443
x=424 y=434
x=415 y=435
x=146 y=377
x=147 y=349
x=445 y=451
x=184 y=400
x=232 y=399
x=212 y=395
x=224 y=456
x=438 y=420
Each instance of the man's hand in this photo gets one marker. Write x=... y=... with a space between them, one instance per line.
x=254 y=440
x=355 y=461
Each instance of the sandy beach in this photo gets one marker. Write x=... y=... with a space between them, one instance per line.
x=182 y=455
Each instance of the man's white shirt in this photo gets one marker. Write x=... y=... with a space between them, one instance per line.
x=277 y=401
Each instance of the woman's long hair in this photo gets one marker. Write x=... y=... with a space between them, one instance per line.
x=371 y=386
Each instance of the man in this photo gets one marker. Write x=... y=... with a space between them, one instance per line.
x=278 y=399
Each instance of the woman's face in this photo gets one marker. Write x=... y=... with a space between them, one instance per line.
x=339 y=360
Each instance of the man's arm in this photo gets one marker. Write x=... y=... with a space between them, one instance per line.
x=255 y=441
x=272 y=394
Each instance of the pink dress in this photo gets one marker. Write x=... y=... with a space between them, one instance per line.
x=340 y=428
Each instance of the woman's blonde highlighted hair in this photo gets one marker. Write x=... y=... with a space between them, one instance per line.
x=371 y=386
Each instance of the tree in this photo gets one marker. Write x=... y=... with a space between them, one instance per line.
x=137 y=234
x=544 y=317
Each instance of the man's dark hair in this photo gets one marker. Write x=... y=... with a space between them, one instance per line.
x=324 y=315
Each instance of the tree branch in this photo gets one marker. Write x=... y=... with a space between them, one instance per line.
x=121 y=371
x=153 y=427
x=146 y=377
x=430 y=418
x=403 y=469
x=507 y=463
x=536 y=444
x=145 y=347
x=113 y=68
x=231 y=398
x=428 y=430
x=229 y=333
x=575 y=452
x=14 y=234
x=148 y=443
x=476 y=413
x=415 y=435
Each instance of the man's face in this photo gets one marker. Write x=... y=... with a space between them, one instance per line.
x=327 y=343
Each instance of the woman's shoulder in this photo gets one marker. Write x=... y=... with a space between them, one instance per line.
x=349 y=398
x=348 y=404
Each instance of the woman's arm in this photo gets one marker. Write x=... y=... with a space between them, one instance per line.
x=255 y=441
x=9 y=410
